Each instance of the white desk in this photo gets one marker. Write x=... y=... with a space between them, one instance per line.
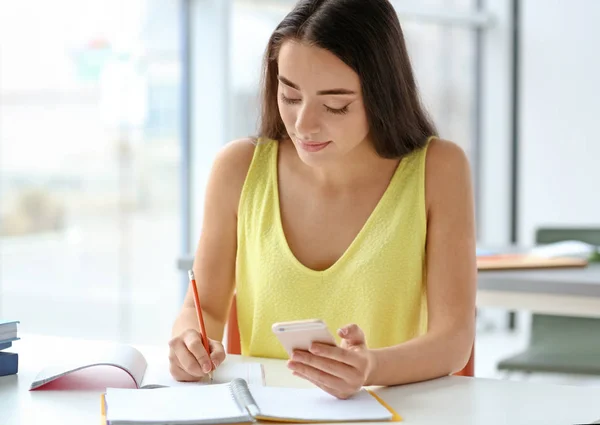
x=451 y=400
x=569 y=292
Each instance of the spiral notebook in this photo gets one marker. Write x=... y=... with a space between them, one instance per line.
x=237 y=402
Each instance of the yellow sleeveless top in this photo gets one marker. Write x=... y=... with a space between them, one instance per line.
x=378 y=283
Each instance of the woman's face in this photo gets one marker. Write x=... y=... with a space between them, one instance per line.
x=320 y=102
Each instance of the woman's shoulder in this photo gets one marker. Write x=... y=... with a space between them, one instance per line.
x=441 y=151
x=239 y=150
x=229 y=169
x=232 y=164
x=234 y=159
x=447 y=169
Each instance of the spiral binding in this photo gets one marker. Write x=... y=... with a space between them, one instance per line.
x=243 y=397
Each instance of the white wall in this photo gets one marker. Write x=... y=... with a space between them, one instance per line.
x=560 y=110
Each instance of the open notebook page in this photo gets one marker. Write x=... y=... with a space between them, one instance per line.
x=313 y=404
x=252 y=373
x=88 y=355
x=192 y=404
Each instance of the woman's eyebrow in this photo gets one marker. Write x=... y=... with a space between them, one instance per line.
x=329 y=92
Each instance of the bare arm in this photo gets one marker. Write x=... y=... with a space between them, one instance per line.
x=451 y=277
x=214 y=261
x=214 y=266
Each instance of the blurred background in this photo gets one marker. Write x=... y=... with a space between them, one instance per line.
x=111 y=113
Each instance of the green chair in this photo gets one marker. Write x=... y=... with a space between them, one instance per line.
x=560 y=344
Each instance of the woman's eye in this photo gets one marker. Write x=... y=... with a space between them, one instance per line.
x=340 y=111
x=290 y=101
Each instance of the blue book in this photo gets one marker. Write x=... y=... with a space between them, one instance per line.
x=5 y=345
x=9 y=363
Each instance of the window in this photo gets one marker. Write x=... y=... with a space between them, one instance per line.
x=90 y=167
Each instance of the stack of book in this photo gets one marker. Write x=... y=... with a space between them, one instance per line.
x=9 y=362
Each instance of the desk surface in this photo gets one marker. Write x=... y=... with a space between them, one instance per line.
x=573 y=281
x=569 y=292
x=450 y=400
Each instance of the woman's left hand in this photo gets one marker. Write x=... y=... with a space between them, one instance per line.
x=341 y=371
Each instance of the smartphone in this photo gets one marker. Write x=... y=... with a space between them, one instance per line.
x=300 y=334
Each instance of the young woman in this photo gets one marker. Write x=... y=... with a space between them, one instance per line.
x=347 y=208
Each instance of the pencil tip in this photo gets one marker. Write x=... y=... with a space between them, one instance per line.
x=191 y=274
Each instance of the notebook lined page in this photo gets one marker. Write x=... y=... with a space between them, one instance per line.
x=212 y=403
x=313 y=404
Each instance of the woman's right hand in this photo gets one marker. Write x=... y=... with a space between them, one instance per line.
x=189 y=361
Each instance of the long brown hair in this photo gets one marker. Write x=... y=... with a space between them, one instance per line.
x=366 y=35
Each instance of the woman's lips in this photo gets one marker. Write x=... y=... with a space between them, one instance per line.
x=311 y=146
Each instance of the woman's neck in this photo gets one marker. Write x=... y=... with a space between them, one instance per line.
x=359 y=167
